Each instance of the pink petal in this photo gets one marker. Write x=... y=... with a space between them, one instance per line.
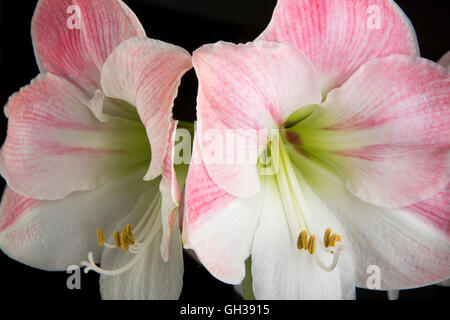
x=435 y=211
x=218 y=226
x=52 y=235
x=410 y=245
x=247 y=87
x=55 y=145
x=340 y=36
x=395 y=111
x=170 y=194
x=146 y=73
x=78 y=54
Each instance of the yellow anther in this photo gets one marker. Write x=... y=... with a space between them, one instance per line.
x=117 y=239
x=312 y=244
x=302 y=242
x=100 y=237
x=326 y=238
x=333 y=240
x=129 y=238
x=128 y=235
x=299 y=243
x=338 y=238
x=128 y=229
x=124 y=241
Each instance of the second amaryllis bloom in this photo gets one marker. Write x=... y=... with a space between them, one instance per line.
x=88 y=157
x=359 y=155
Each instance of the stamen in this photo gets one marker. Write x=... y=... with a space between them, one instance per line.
x=148 y=228
x=326 y=237
x=304 y=243
x=330 y=240
x=312 y=245
x=100 y=237
x=302 y=240
x=124 y=242
x=117 y=239
x=129 y=238
x=295 y=205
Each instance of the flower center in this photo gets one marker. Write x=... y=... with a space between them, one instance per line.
x=291 y=187
x=134 y=242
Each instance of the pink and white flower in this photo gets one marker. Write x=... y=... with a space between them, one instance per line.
x=89 y=147
x=362 y=150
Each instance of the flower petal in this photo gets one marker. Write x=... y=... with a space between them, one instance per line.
x=247 y=87
x=52 y=235
x=146 y=73
x=340 y=36
x=218 y=226
x=170 y=194
x=445 y=60
x=389 y=130
x=72 y=38
x=55 y=145
x=409 y=245
x=435 y=210
x=150 y=277
x=281 y=271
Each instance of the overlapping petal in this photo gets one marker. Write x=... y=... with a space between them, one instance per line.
x=388 y=129
x=410 y=245
x=55 y=145
x=146 y=73
x=170 y=194
x=247 y=87
x=340 y=36
x=217 y=225
x=150 y=277
x=73 y=38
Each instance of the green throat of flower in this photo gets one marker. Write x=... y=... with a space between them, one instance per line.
x=130 y=135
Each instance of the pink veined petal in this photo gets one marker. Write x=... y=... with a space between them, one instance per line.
x=217 y=226
x=55 y=145
x=146 y=73
x=170 y=194
x=72 y=38
x=244 y=89
x=340 y=36
x=52 y=235
x=410 y=245
x=395 y=111
x=435 y=210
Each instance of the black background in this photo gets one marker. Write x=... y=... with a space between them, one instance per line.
x=189 y=24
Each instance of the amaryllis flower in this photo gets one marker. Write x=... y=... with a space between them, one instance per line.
x=89 y=147
x=359 y=158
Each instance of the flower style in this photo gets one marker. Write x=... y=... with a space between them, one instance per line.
x=359 y=157
x=89 y=147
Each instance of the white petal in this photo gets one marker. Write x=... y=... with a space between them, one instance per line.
x=52 y=235
x=281 y=271
x=150 y=277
